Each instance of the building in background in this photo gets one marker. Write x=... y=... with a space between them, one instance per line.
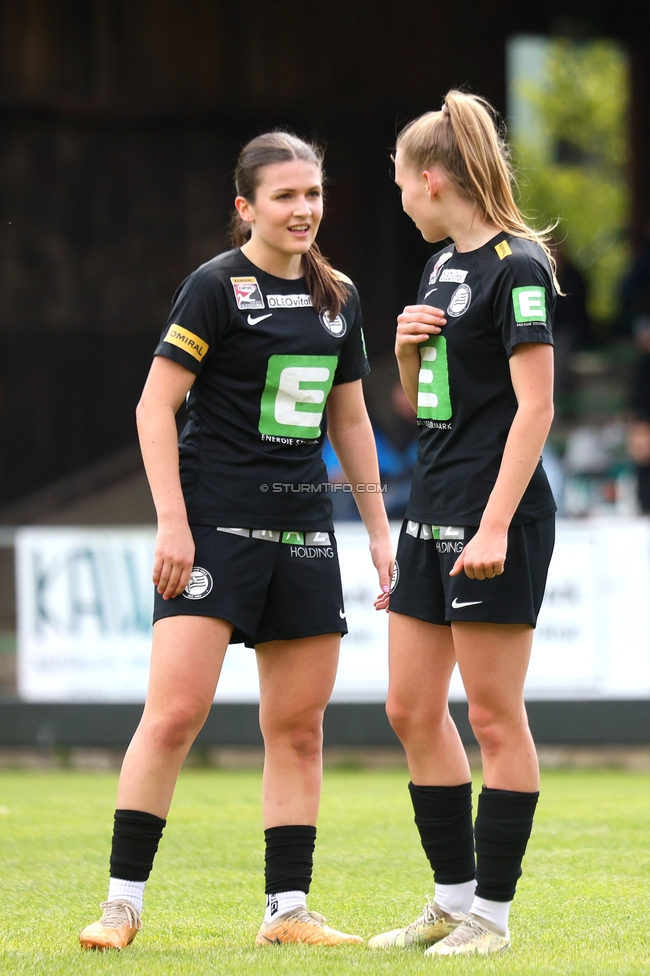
x=122 y=120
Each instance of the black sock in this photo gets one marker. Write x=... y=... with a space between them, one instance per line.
x=289 y=858
x=503 y=826
x=443 y=815
x=136 y=836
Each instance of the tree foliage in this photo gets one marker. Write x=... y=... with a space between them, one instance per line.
x=572 y=164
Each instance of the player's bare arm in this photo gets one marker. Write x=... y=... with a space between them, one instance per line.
x=351 y=435
x=531 y=371
x=165 y=390
x=414 y=326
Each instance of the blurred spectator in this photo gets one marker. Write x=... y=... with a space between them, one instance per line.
x=572 y=330
x=639 y=450
x=599 y=479
x=556 y=476
x=641 y=388
x=635 y=288
x=397 y=449
x=639 y=433
x=344 y=508
x=635 y=307
x=396 y=438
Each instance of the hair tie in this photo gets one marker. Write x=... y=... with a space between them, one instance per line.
x=445 y=109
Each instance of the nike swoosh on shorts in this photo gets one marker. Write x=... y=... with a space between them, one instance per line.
x=455 y=605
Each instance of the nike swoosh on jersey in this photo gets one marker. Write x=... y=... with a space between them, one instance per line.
x=469 y=603
x=430 y=292
x=259 y=318
x=342 y=615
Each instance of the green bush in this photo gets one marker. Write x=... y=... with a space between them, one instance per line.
x=572 y=162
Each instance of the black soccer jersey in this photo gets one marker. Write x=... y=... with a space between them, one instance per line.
x=493 y=298
x=265 y=361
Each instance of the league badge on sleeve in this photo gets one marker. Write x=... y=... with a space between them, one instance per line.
x=247 y=293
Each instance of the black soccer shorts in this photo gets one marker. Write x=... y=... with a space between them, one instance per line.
x=423 y=588
x=270 y=585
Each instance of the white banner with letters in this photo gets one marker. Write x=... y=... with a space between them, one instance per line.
x=85 y=599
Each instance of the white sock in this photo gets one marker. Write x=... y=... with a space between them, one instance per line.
x=454 y=898
x=132 y=891
x=495 y=912
x=284 y=901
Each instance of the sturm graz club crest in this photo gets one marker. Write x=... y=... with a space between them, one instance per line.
x=199 y=584
x=459 y=301
x=336 y=327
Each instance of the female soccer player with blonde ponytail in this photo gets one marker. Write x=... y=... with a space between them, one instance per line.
x=476 y=361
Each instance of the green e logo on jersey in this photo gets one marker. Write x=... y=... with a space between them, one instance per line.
x=295 y=393
x=529 y=304
x=434 y=401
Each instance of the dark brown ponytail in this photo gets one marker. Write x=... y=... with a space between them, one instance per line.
x=325 y=287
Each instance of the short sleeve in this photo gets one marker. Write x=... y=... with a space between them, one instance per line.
x=196 y=322
x=353 y=358
x=524 y=301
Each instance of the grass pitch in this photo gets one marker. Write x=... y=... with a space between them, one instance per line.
x=581 y=907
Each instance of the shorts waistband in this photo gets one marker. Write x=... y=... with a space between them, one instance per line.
x=290 y=537
x=421 y=530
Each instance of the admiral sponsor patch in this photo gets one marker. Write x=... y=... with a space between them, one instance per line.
x=178 y=336
x=503 y=250
x=460 y=301
x=453 y=274
x=289 y=301
x=433 y=277
x=247 y=293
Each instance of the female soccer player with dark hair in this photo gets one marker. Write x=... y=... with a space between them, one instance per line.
x=475 y=360
x=259 y=340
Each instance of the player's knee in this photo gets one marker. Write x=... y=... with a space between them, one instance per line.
x=306 y=741
x=409 y=722
x=490 y=726
x=416 y=715
x=179 y=726
x=301 y=733
x=399 y=716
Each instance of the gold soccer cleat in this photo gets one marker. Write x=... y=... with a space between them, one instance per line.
x=475 y=936
x=301 y=926
x=116 y=929
x=432 y=926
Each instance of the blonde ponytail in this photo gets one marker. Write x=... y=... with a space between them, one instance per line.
x=467 y=141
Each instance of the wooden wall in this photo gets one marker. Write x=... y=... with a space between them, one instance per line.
x=121 y=123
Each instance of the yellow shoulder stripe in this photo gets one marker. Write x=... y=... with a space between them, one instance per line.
x=342 y=277
x=192 y=344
